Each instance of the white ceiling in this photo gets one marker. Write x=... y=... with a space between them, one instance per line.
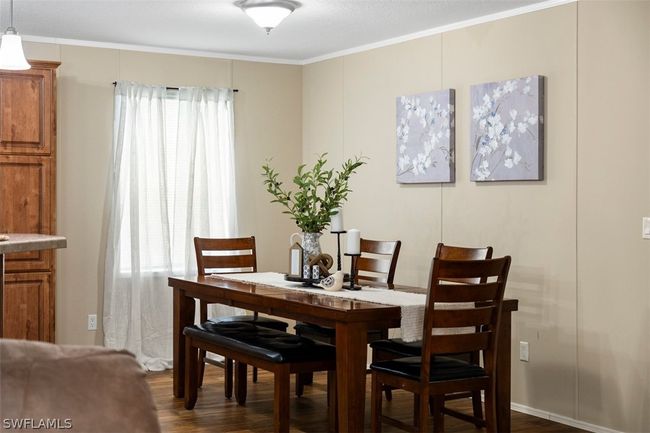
x=317 y=28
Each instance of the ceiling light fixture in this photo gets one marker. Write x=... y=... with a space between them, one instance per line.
x=267 y=14
x=12 y=56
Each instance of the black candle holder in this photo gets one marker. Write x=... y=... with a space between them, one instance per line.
x=338 y=246
x=353 y=272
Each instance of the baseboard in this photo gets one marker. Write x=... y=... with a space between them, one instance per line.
x=561 y=419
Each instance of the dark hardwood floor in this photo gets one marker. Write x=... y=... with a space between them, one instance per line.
x=213 y=413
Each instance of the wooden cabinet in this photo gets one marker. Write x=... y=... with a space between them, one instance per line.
x=27 y=196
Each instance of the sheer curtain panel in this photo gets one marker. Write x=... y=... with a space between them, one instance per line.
x=171 y=178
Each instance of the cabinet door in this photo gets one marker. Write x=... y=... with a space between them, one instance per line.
x=26 y=112
x=28 y=306
x=26 y=206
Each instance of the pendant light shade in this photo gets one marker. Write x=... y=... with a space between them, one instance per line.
x=12 y=56
x=267 y=14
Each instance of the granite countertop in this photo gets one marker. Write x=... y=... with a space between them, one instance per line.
x=21 y=242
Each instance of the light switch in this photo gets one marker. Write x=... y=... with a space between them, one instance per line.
x=646 y=228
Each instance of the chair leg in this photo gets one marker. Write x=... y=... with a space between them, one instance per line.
x=281 y=400
x=389 y=393
x=203 y=317
x=332 y=409
x=437 y=403
x=300 y=385
x=416 y=410
x=201 y=369
x=254 y=374
x=191 y=375
x=240 y=383
x=375 y=408
x=228 y=373
x=490 y=410
x=423 y=414
x=477 y=406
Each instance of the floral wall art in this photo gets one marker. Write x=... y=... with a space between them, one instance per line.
x=507 y=132
x=425 y=137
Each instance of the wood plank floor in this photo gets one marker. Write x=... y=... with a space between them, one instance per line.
x=213 y=413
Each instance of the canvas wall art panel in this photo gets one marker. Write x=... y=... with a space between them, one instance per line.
x=507 y=130
x=425 y=137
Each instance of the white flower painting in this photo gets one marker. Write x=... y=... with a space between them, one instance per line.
x=507 y=133
x=425 y=137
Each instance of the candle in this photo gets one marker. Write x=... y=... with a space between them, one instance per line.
x=336 y=221
x=354 y=241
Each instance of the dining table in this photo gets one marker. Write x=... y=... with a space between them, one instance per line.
x=351 y=318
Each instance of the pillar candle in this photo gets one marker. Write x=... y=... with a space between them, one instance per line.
x=354 y=241
x=336 y=221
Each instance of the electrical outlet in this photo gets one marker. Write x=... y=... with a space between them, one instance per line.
x=645 y=230
x=92 y=322
x=523 y=351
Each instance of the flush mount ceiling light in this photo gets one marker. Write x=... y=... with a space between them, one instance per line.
x=12 y=56
x=267 y=14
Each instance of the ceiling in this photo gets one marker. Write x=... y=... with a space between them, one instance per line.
x=317 y=28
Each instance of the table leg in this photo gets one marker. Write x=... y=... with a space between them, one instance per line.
x=351 y=341
x=503 y=374
x=183 y=316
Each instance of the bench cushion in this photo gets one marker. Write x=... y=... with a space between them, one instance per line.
x=266 y=322
x=261 y=342
x=442 y=368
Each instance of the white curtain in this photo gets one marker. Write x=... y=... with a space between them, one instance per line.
x=172 y=178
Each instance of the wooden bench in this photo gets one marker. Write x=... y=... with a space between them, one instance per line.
x=279 y=352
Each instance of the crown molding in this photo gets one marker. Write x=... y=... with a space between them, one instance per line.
x=442 y=29
x=157 y=50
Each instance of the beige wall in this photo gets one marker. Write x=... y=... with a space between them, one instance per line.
x=559 y=230
x=613 y=195
x=268 y=124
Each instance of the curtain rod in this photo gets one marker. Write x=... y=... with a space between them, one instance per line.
x=176 y=88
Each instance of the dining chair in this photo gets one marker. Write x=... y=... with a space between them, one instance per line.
x=434 y=373
x=279 y=352
x=227 y=256
x=395 y=348
x=377 y=263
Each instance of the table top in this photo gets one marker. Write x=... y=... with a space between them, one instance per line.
x=298 y=305
x=21 y=242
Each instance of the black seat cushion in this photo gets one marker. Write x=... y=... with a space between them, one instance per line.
x=266 y=322
x=442 y=368
x=261 y=342
x=326 y=333
x=401 y=348
x=398 y=347
x=303 y=328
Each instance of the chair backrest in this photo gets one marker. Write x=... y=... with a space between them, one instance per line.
x=378 y=260
x=479 y=309
x=232 y=255
x=450 y=252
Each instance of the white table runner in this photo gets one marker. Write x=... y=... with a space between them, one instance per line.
x=411 y=304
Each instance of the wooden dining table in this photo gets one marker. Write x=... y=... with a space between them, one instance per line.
x=351 y=319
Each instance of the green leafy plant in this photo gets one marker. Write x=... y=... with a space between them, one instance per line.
x=318 y=192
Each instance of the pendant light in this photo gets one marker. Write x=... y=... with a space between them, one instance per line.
x=12 y=56
x=267 y=14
